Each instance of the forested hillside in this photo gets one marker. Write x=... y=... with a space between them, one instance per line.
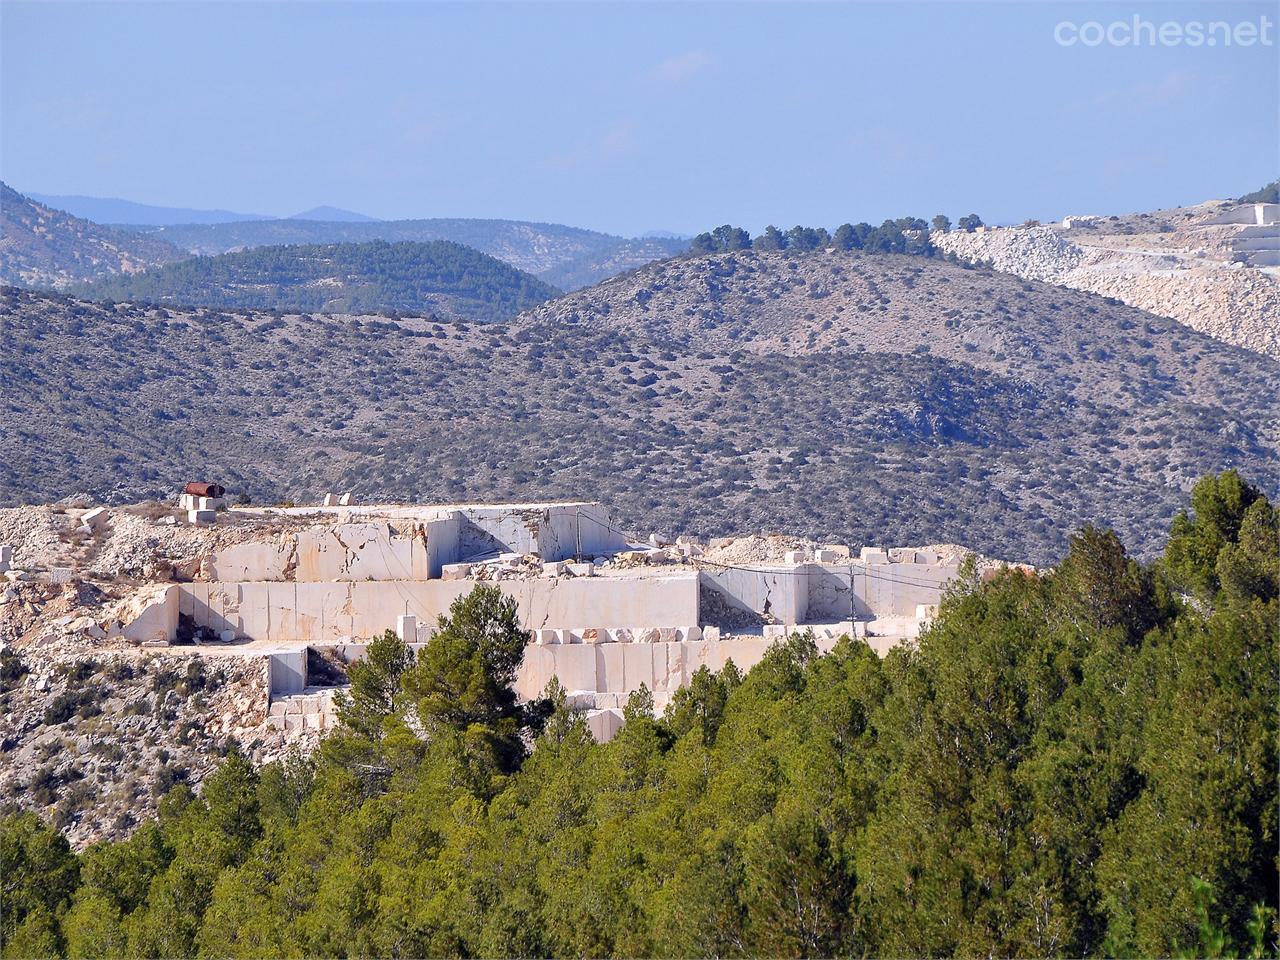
x=441 y=278
x=1076 y=763
x=44 y=247
x=567 y=257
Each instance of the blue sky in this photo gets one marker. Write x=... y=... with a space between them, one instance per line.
x=630 y=117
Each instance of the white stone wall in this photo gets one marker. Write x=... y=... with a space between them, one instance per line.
x=347 y=551
x=781 y=592
x=288 y=611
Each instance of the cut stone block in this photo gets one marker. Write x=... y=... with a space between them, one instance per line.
x=60 y=575
x=330 y=499
x=95 y=519
x=604 y=724
x=824 y=555
x=554 y=568
x=874 y=555
x=407 y=628
x=6 y=552
x=455 y=571
x=344 y=500
x=795 y=556
x=199 y=517
x=582 y=569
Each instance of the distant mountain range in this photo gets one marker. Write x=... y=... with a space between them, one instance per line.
x=333 y=215
x=44 y=247
x=127 y=213
x=439 y=278
x=565 y=257
x=116 y=212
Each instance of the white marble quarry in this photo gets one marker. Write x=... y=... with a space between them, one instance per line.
x=342 y=575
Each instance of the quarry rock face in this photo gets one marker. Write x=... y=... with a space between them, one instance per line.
x=1182 y=264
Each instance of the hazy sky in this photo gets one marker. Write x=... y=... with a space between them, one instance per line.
x=631 y=117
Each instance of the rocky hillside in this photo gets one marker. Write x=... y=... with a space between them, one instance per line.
x=440 y=278
x=43 y=247
x=1177 y=263
x=566 y=257
x=848 y=397
x=94 y=740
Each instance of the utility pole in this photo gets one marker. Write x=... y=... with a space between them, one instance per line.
x=577 y=534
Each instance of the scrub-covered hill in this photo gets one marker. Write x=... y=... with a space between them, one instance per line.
x=851 y=397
